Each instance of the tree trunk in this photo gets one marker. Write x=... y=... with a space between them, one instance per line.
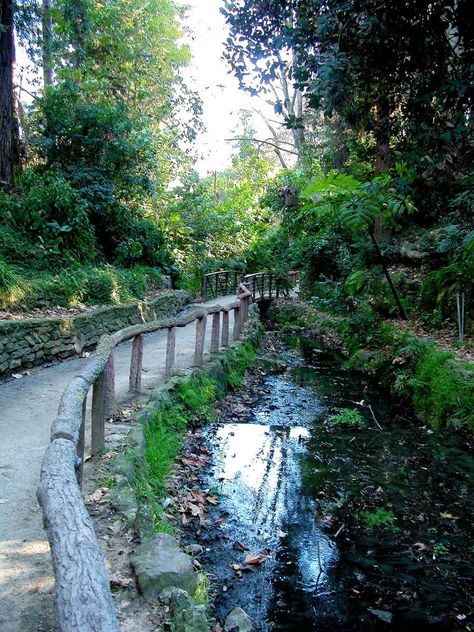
x=47 y=44
x=8 y=124
x=382 y=154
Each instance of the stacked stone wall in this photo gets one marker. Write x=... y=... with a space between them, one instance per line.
x=27 y=343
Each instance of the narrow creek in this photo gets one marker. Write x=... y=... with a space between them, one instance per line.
x=290 y=543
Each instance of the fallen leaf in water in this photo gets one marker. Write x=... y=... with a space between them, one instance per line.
x=448 y=516
x=383 y=615
x=195 y=510
x=420 y=546
x=212 y=500
x=281 y=534
x=255 y=560
x=238 y=546
x=200 y=497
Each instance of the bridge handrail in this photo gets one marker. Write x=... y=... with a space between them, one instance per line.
x=211 y=281
x=83 y=600
x=264 y=284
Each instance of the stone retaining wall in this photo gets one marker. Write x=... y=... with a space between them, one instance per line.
x=26 y=343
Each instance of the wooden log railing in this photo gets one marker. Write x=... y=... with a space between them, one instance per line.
x=83 y=600
x=221 y=283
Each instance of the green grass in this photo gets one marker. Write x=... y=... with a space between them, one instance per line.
x=202 y=596
x=239 y=360
x=197 y=395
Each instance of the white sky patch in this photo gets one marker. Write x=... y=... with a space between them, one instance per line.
x=209 y=75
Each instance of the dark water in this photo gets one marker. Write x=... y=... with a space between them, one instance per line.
x=287 y=489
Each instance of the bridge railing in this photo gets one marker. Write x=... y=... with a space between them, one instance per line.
x=83 y=600
x=268 y=285
x=221 y=283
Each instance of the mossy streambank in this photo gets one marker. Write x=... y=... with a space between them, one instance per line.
x=438 y=386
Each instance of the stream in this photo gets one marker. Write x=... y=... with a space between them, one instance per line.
x=292 y=542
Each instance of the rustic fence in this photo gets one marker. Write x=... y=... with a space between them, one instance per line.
x=268 y=285
x=83 y=601
x=221 y=283
x=261 y=285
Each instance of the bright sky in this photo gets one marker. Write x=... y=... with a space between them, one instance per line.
x=219 y=91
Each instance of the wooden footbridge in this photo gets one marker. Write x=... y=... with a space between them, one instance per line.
x=261 y=285
x=83 y=600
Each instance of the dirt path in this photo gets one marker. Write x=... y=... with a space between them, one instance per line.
x=27 y=409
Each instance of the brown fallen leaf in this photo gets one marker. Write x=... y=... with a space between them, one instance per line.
x=238 y=546
x=200 y=497
x=195 y=510
x=212 y=500
x=448 y=516
x=97 y=495
x=420 y=546
x=254 y=560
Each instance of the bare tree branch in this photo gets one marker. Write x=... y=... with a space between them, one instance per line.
x=261 y=142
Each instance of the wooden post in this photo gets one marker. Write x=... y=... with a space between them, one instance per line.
x=110 y=387
x=237 y=315
x=135 y=380
x=225 y=328
x=200 y=340
x=215 y=332
x=98 y=414
x=226 y=283
x=81 y=444
x=170 y=351
x=217 y=284
x=204 y=294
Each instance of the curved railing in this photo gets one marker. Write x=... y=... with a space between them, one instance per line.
x=268 y=285
x=220 y=283
x=83 y=601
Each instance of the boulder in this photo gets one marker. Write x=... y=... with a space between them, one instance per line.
x=238 y=621
x=123 y=500
x=160 y=564
x=191 y=619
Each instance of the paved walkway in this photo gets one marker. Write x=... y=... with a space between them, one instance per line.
x=27 y=409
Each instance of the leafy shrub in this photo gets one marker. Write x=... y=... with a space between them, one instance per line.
x=55 y=215
x=63 y=290
x=16 y=248
x=100 y=288
x=443 y=390
x=347 y=417
x=132 y=284
x=379 y=517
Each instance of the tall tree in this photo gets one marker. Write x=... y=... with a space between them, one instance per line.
x=386 y=68
x=47 y=43
x=8 y=123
